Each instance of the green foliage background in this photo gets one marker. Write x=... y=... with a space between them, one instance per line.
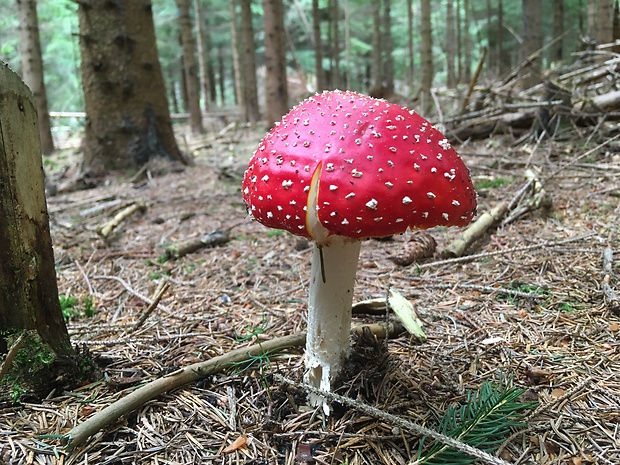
x=59 y=36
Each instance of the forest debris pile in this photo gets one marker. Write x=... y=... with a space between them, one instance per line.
x=586 y=93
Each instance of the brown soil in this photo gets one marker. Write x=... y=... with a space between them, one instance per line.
x=528 y=306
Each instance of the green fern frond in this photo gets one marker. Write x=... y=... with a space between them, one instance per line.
x=484 y=421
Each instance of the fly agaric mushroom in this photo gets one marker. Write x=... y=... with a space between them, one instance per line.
x=342 y=167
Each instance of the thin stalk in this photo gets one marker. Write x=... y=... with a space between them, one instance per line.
x=332 y=279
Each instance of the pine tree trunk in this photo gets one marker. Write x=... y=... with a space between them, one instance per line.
x=203 y=57
x=557 y=51
x=410 y=55
x=532 y=40
x=275 y=83
x=252 y=112
x=29 y=297
x=592 y=19
x=388 y=48
x=426 y=56
x=318 y=46
x=503 y=57
x=376 y=74
x=334 y=16
x=234 y=47
x=190 y=66
x=221 y=75
x=128 y=120
x=605 y=26
x=32 y=68
x=466 y=76
x=450 y=44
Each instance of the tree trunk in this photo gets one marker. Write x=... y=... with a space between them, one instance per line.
x=275 y=60
x=128 y=120
x=234 y=47
x=410 y=55
x=532 y=40
x=318 y=46
x=376 y=53
x=503 y=57
x=388 y=48
x=29 y=297
x=203 y=57
x=450 y=44
x=557 y=51
x=466 y=43
x=334 y=15
x=32 y=68
x=592 y=19
x=605 y=26
x=426 y=56
x=190 y=67
x=252 y=112
x=221 y=75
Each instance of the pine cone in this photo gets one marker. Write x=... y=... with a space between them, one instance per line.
x=420 y=245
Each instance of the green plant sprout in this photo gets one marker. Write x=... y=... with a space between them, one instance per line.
x=522 y=287
x=492 y=183
x=71 y=306
x=484 y=421
x=262 y=361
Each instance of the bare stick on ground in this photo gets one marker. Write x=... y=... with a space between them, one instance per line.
x=108 y=228
x=612 y=300
x=193 y=373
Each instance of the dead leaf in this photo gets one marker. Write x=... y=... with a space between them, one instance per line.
x=614 y=327
x=235 y=445
x=557 y=392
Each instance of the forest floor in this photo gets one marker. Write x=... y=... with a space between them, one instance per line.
x=527 y=307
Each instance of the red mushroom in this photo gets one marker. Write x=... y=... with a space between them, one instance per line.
x=342 y=167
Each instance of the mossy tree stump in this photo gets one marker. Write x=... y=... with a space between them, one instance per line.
x=28 y=288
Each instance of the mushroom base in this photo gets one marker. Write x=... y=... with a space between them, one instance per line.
x=329 y=312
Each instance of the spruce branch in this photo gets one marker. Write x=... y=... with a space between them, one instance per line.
x=483 y=421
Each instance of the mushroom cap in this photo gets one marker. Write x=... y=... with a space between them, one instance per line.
x=368 y=168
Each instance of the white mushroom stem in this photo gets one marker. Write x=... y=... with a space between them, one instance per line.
x=329 y=312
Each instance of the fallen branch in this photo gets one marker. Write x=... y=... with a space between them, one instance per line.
x=612 y=300
x=474 y=231
x=108 y=228
x=11 y=354
x=193 y=373
x=159 y=293
x=212 y=239
x=398 y=421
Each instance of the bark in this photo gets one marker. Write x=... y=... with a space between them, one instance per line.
x=221 y=75
x=450 y=44
x=410 y=55
x=426 y=55
x=466 y=75
x=128 y=120
x=318 y=46
x=334 y=17
x=503 y=59
x=557 y=51
x=275 y=60
x=190 y=67
x=592 y=19
x=388 y=47
x=236 y=60
x=492 y=52
x=248 y=50
x=29 y=297
x=32 y=68
x=605 y=26
x=375 y=64
x=203 y=57
x=532 y=40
